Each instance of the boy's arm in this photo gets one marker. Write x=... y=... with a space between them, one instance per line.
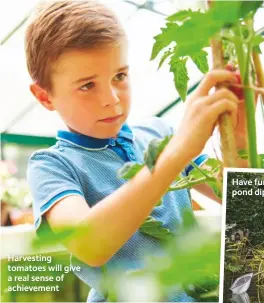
x=115 y=219
x=112 y=221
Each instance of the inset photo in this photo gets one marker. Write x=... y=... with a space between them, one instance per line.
x=242 y=256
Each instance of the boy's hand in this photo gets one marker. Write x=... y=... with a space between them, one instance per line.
x=240 y=129
x=203 y=110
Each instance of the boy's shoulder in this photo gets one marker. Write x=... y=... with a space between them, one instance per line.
x=52 y=158
x=49 y=152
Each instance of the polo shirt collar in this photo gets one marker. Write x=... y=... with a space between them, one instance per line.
x=91 y=142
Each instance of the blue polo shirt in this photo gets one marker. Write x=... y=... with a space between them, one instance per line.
x=86 y=166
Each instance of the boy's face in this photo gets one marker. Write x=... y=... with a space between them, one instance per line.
x=91 y=90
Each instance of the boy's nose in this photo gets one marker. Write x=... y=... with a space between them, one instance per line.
x=110 y=98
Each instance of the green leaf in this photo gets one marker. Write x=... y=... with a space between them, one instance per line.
x=206 y=288
x=212 y=165
x=164 y=39
x=194 y=34
x=178 y=67
x=257 y=40
x=47 y=238
x=154 y=228
x=249 y=7
x=189 y=221
x=200 y=59
x=206 y=173
x=198 y=28
x=229 y=12
x=202 y=27
x=215 y=187
x=225 y=12
x=182 y=15
x=129 y=170
x=153 y=151
x=257 y=49
x=192 y=258
x=164 y=57
x=196 y=174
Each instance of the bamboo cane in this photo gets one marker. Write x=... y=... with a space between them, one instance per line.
x=228 y=142
x=259 y=73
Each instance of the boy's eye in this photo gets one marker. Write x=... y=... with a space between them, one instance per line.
x=87 y=86
x=120 y=77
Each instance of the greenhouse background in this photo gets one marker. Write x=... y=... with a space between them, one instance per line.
x=26 y=126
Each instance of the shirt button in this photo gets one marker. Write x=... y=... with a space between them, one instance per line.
x=112 y=142
x=132 y=157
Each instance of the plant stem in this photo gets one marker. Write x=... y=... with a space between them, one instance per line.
x=198 y=168
x=191 y=183
x=243 y=57
x=253 y=157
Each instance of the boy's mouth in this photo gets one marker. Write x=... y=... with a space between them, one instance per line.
x=111 y=119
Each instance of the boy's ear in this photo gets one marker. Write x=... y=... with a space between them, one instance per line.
x=42 y=96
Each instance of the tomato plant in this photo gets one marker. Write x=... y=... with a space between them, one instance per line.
x=227 y=26
x=231 y=23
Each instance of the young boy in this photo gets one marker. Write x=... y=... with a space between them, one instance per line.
x=77 y=57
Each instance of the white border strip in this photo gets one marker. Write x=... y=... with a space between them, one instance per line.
x=222 y=259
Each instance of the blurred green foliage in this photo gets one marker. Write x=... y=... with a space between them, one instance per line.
x=191 y=261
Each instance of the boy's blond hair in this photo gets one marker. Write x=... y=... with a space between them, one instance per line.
x=63 y=25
